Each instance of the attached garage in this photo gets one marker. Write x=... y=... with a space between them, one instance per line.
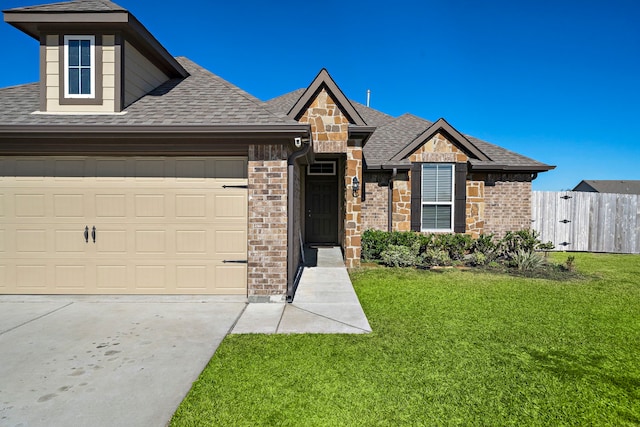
x=123 y=225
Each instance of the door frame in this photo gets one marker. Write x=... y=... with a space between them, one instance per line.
x=323 y=175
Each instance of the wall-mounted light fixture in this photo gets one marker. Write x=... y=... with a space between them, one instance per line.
x=355 y=186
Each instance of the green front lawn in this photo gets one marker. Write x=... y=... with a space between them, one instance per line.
x=448 y=348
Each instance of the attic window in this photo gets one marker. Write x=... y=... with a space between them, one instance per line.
x=79 y=66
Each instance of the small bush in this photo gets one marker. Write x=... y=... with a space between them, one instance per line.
x=400 y=256
x=374 y=242
x=526 y=260
x=478 y=259
x=523 y=240
x=435 y=258
x=456 y=245
x=570 y=263
x=486 y=246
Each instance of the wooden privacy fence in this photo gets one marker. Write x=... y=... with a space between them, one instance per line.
x=592 y=222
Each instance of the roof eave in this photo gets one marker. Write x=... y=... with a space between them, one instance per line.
x=361 y=132
x=105 y=131
x=511 y=168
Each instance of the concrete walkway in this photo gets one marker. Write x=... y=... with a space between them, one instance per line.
x=325 y=302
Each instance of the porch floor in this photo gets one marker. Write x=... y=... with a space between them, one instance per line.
x=325 y=302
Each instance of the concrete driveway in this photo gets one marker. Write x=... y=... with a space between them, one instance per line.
x=105 y=361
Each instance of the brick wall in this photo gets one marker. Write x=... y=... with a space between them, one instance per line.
x=267 y=229
x=401 y=203
x=374 y=207
x=507 y=203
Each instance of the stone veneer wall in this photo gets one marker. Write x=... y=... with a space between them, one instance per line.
x=329 y=127
x=401 y=217
x=330 y=130
x=438 y=150
x=267 y=228
x=475 y=208
x=507 y=204
x=352 y=207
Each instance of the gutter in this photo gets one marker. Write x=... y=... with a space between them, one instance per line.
x=294 y=270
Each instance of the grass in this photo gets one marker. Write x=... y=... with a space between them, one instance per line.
x=448 y=348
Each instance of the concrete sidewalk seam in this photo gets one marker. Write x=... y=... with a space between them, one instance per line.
x=34 y=319
x=235 y=322
x=329 y=318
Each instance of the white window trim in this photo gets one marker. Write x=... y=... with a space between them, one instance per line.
x=452 y=203
x=92 y=40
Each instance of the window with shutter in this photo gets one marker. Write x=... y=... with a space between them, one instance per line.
x=437 y=196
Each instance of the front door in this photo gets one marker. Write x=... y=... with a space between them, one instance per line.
x=322 y=209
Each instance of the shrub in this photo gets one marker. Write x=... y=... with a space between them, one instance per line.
x=456 y=245
x=486 y=246
x=436 y=257
x=374 y=242
x=526 y=260
x=523 y=240
x=570 y=263
x=400 y=256
x=478 y=258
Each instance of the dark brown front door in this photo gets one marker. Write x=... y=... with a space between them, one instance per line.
x=322 y=209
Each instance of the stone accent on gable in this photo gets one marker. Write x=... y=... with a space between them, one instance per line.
x=329 y=126
x=438 y=150
x=267 y=228
x=475 y=210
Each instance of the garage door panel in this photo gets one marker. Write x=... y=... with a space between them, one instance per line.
x=154 y=233
x=228 y=276
x=70 y=278
x=69 y=205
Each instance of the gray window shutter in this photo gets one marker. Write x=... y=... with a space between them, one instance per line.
x=460 y=205
x=416 y=193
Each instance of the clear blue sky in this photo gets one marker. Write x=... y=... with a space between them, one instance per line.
x=558 y=81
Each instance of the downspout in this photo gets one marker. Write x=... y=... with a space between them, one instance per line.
x=293 y=270
x=390 y=201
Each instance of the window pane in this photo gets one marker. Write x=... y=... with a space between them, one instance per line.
x=85 y=81
x=74 y=81
x=429 y=182
x=444 y=183
x=437 y=183
x=85 y=50
x=74 y=52
x=436 y=217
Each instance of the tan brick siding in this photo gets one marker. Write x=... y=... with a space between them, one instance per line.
x=267 y=229
x=375 y=205
x=507 y=204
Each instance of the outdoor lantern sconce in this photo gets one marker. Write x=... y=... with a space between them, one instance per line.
x=355 y=186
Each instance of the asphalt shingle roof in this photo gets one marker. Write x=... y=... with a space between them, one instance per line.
x=202 y=99
x=392 y=134
x=88 y=6
x=615 y=186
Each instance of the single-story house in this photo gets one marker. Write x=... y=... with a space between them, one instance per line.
x=126 y=170
x=615 y=186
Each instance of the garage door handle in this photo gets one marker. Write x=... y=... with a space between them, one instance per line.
x=235 y=261
x=93 y=233
x=86 y=234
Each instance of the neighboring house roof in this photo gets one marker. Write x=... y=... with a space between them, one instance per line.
x=609 y=186
x=394 y=135
x=201 y=99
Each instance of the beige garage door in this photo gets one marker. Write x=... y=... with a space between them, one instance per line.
x=123 y=225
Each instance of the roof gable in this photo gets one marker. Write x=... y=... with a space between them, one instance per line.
x=609 y=186
x=455 y=137
x=324 y=81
